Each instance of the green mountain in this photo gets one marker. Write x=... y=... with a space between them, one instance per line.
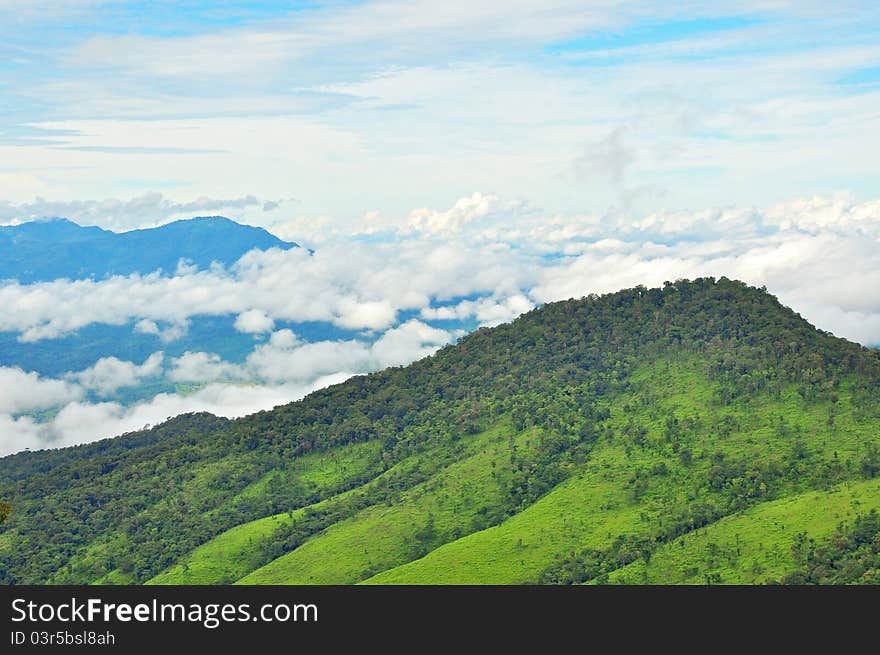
x=698 y=433
x=41 y=251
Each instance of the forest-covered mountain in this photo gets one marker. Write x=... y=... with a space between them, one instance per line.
x=696 y=433
x=41 y=251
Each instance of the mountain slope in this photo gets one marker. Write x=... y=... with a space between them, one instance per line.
x=42 y=251
x=647 y=495
x=568 y=446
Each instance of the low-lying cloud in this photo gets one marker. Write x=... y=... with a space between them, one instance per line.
x=81 y=422
x=147 y=210
x=26 y=391
x=110 y=374
x=281 y=370
x=406 y=286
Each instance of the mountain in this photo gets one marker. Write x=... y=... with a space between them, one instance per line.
x=696 y=433
x=41 y=251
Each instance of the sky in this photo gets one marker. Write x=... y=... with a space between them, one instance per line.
x=447 y=163
x=344 y=108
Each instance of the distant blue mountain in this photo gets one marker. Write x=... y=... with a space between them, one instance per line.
x=46 y=250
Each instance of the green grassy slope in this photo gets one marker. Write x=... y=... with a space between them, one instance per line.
x=226 y=557
x=454 y=501
x=607 y=500
x=580 y=512
x=234 y=552
x=650 y=435
x=754 y=546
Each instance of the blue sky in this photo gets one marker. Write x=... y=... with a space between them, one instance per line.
x=340 y=109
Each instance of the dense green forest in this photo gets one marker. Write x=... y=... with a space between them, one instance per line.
x=696 y=433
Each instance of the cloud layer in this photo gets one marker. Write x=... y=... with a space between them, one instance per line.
x=147 y=210
x=406 y=285
x=575 y=104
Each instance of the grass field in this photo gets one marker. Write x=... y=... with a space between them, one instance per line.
x=753 y=547
x=383 y=536
x=589 y=510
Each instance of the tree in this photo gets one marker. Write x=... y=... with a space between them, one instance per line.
x=5 y=511
x=870 y=464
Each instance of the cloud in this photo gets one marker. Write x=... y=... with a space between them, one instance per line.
x=48 y=5
x=370 y=314
x=147 y=210
x=609 y=157
x=202 y=367
x=80 y=422
x=741 y=126
x=279 y=362
x=146 y=326
x=408 y=342
x=283 y=339
x=493 y=268
x=254 y=321
x=410 y=103
x=16 y=185
x=417 y=28
x=465 y=211
x=110 y=374
x=487 y=311
x=818 y=255
x=26 y=392
x=285 y=367
x=170 y=333
x=285 y=358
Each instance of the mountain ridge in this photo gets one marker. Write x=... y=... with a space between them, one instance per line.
x=49 y=249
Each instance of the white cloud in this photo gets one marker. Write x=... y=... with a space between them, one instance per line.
x=202 y=367
x=20 y=433
x=370 y=314
x=80 y=422
x=818 y=255
x=174 y=331
x=488 y=311
x=408 y=342
x=409 y=102
x=18 y=186
x=171 y=332
x=22 y=391
x=147 y=210
x=287 y=367
x=501 y=264
x=146 y=326
x=283 y=339
x=286 y=359
x=301 y=363
x=110 y=374
x=416 y=27
x=465 y=211
x=254 y=321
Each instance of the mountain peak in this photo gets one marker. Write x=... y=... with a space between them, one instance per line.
x=219 y=222
x=48 y=249
x=678 y=434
